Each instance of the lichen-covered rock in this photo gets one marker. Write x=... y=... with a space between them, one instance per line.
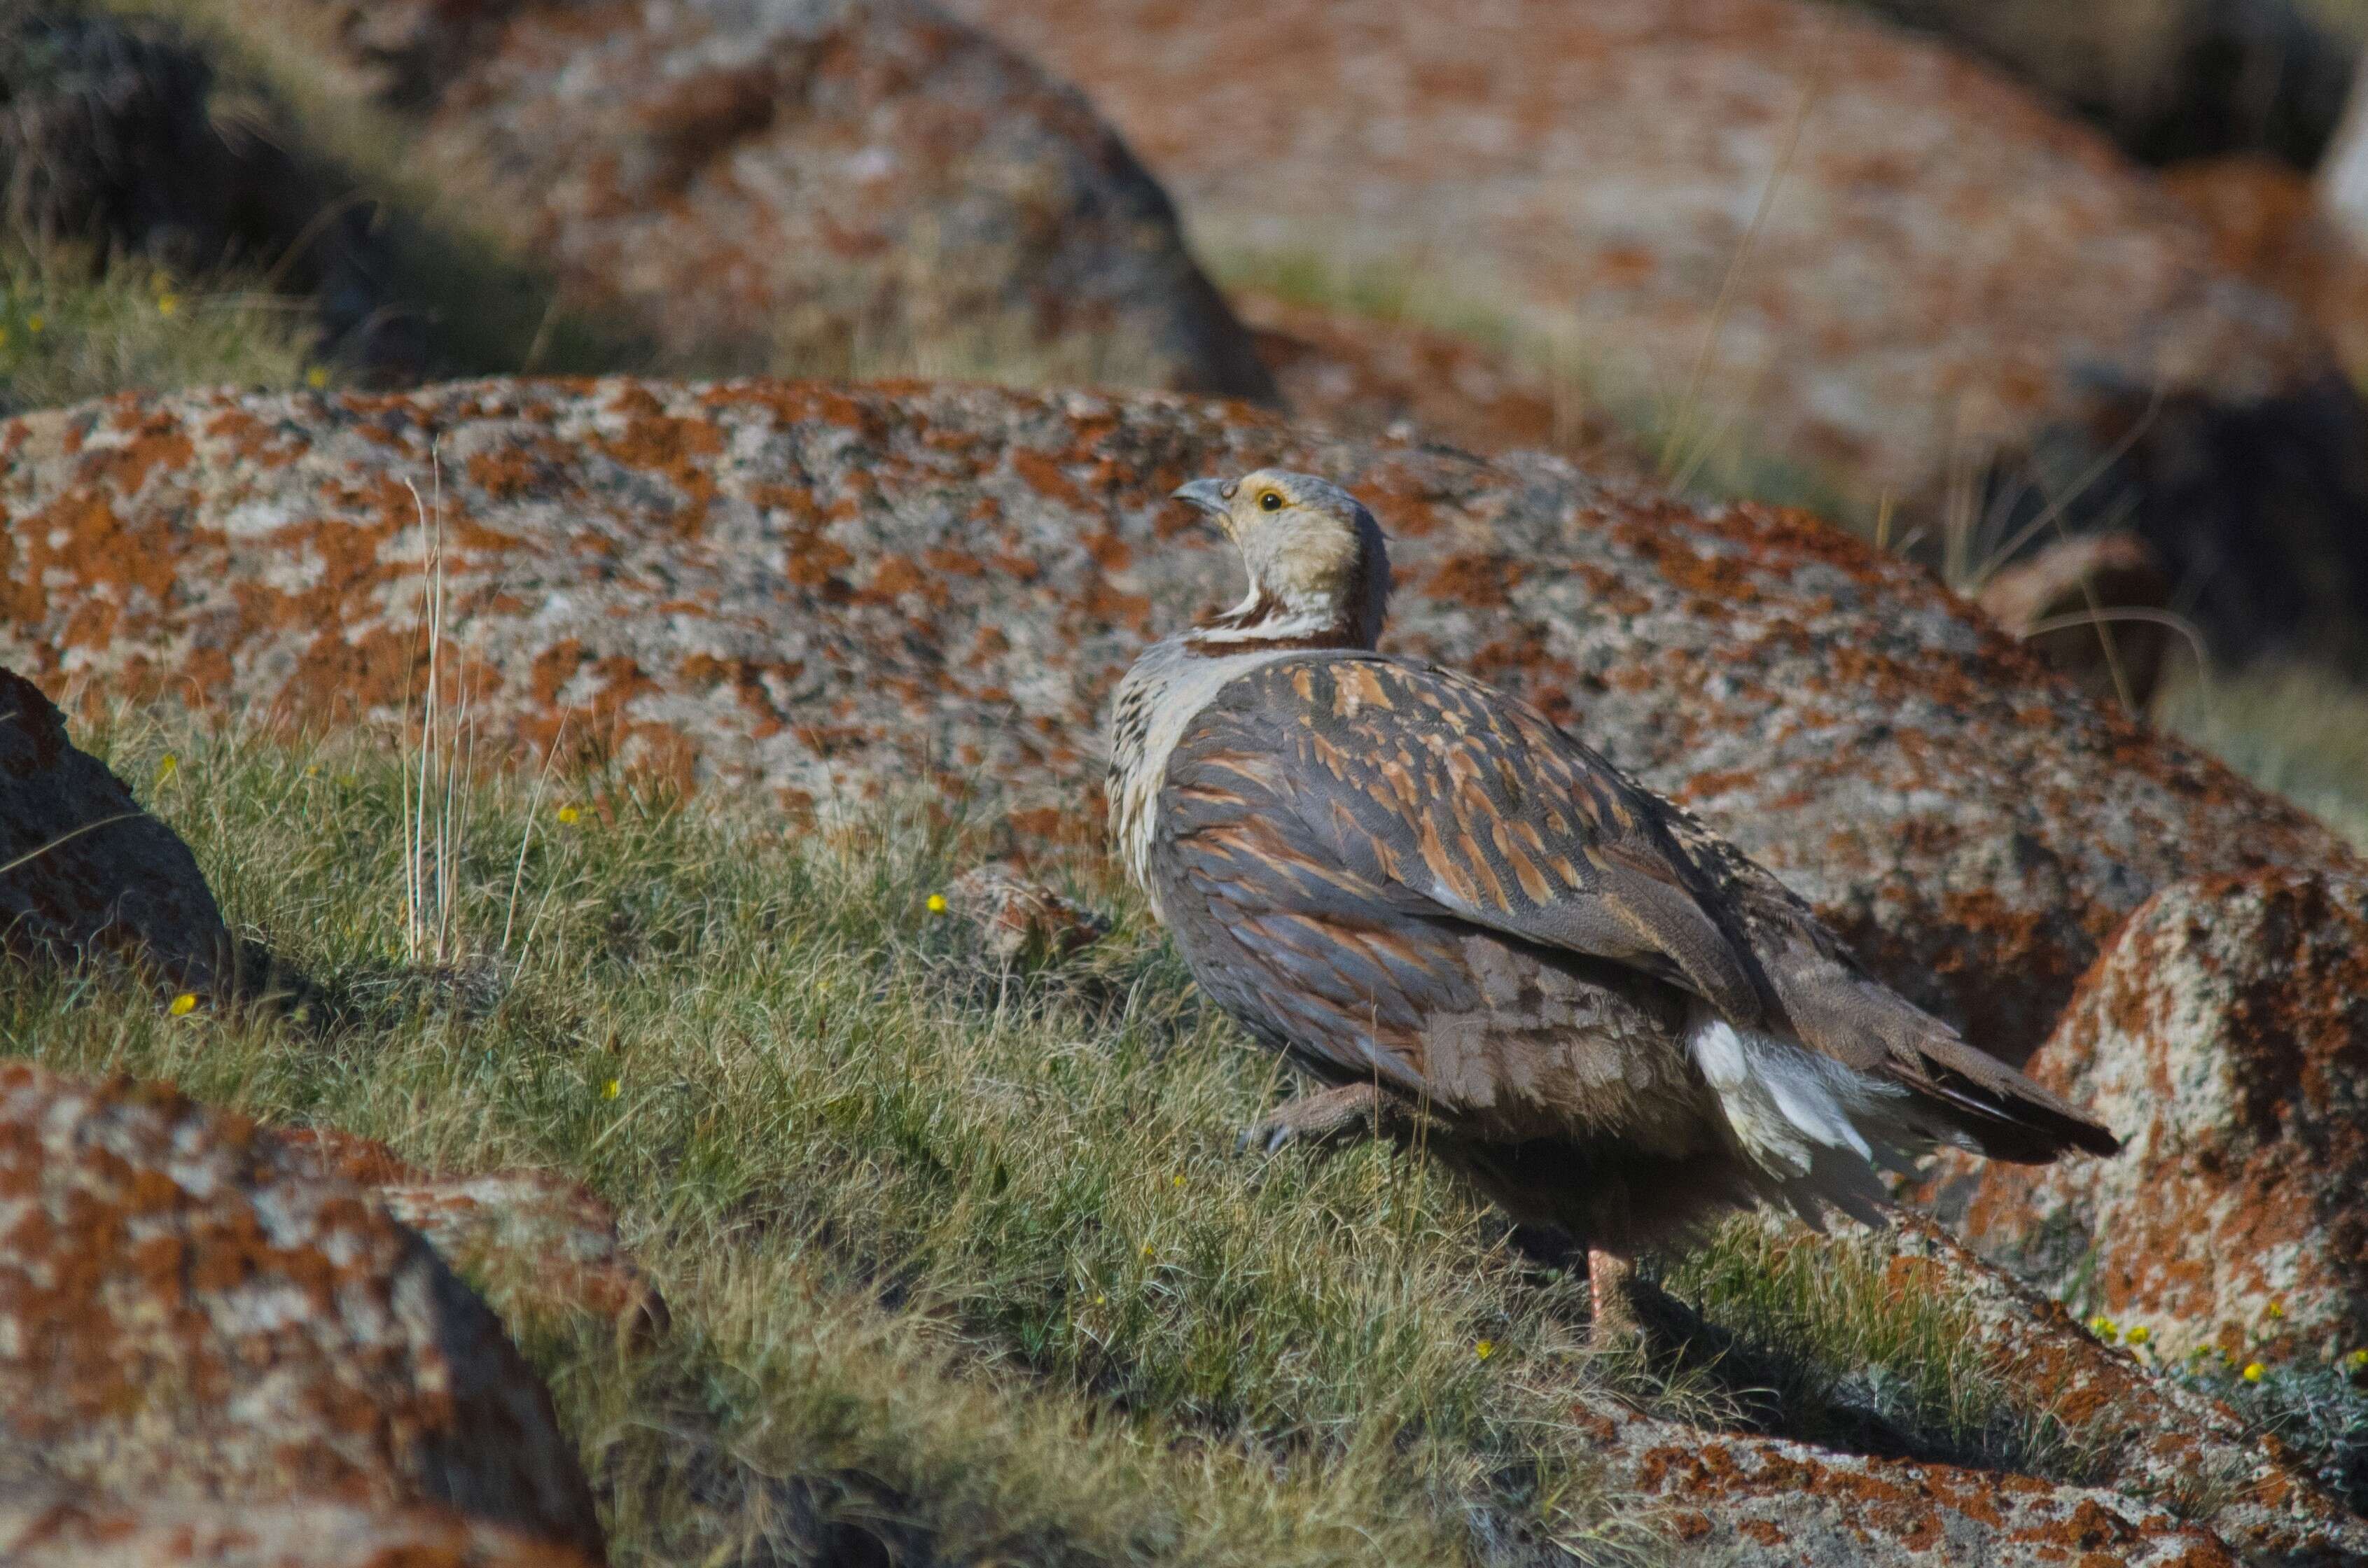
x=2223 y=1035
x=188 y=1313
x=85 y=872
x=1016 y=920
x=1949 y=296
x=835 y=593
x=828 y=185
x=541 y=1245
x=58 y=1527
x=2279 y=228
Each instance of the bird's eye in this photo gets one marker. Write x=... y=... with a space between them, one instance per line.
x=1271 y=501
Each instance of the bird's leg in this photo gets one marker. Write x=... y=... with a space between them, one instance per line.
x=1611 y=1290
x=1323 y=1114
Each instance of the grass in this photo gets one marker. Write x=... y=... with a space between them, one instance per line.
x=2298 y=729
x=960 y=1260
x=69 y=331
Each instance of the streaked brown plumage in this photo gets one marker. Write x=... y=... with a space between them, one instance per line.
x=1435 y=902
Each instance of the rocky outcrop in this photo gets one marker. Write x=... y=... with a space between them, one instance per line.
x=2170 y=79
x=2223 y=1035
x=86 y=873
x=2279 y=230
x=189 y=1316
x=1915 y=278
x=836 y=594
x=848 y=186
x=115 y=134
x=542 y=1247
x=59 y=1528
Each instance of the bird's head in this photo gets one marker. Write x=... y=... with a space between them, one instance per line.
x=1319 y=574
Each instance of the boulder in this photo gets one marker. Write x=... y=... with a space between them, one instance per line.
x=86 y=873
x=836 y=186
x=544 y=1248
x=2279 y=230
x=2170 y=79
x=59 y=1528
x=834 y=594
x=2224 y=1034
x=1912 y=277
x=190 y=1314
x=119 y=135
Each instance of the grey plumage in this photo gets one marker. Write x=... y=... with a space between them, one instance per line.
x=1612 y=1018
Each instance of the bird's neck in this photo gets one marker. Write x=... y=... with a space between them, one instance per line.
x=1268 y=620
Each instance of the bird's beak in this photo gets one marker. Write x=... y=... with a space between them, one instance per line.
x=1208 y=495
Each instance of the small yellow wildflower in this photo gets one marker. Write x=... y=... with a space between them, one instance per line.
x=568 y=814
x=1146 y=1249
x=612 y=1089
x=2276 y=1309
x=312 y=770
x=184 y=1005
x=2253 y=1370
x=2358 y=1357
x=1484 y=1349
x=936 y=903
x=2139 y=1334
x=166 y=768
x=167 y=304
x=36 y=322
x=2104 y=1328
x=317 y=377
x=1100 y=1299
x=1177 y=1180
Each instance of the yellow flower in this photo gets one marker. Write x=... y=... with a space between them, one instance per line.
x=2358 y=1357
x=2103 y=1328
x=2139 y=1335
x=1100 y=1299
x=167 y=303
x=568 y=814
x=36 y=322
x=2253 y=1370
x=1146 y=1249
x=936 y=903
x=2276 y=1309
x=1177 y=1180
x=317 y=377
x=312 y=770
x=612 y=1089
x=1484 y=1349
x=166 y=768
x=184 y=1005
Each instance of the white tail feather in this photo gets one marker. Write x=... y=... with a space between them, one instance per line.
x=1813 y=1129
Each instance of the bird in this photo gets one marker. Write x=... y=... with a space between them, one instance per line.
x=1452 y=915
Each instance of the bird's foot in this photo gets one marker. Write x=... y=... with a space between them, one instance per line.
x=1614 y=1321
x=1312 y=1118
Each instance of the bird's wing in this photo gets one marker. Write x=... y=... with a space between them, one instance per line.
x=1452 y=794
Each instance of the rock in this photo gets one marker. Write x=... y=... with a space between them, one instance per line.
x=1017 y=921
x=2271 y=225
x=88 y=874
x=2083 y=581
x=543 y=1247
x=1955 y=303
x=117 y=134
x=2224 y=1034
x=837 y=594
x=2168 y=1477
x=1371 y=378
x=837 y=186
x=2170 y=79
x=191 y=1314
x=59 y=1528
